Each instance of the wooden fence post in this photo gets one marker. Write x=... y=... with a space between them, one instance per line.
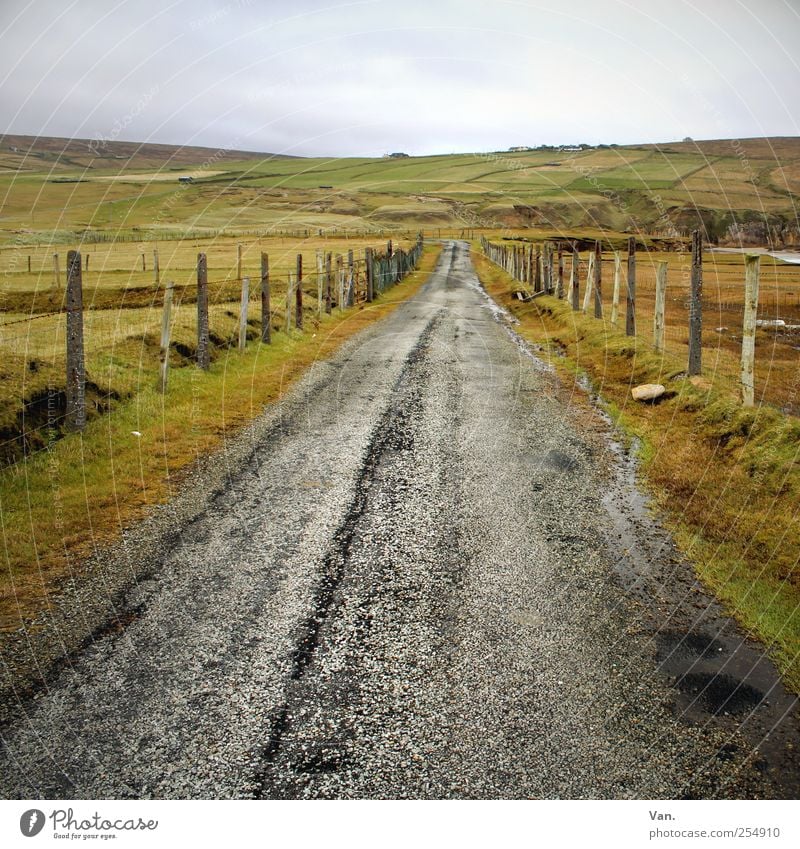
x=630 y=298
x=76 y=367
x=574 y=279
x=615 y=293
x=266 y=309
x=239 y=261
x=320 y=274
x=87 y=262
x=351 y=293
x=560 y=286
x=340 y=281
x=289 y=293
x=156 y=267
x=328 y=282
x=751 y=283
x=368 y=272
x=56 y=272
x=696 y=306
x=144 y=264
x=298 y=317
x=243 y=313
x=29 y=263
x=661 y=299
x=587 y=295
x=163 y=356
x=203 y=353
x=598 y=280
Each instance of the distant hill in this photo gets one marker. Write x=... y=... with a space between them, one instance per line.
x=36 y=152
x=739 y=191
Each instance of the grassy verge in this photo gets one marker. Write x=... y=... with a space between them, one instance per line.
x=726 y=479
x=60 y=504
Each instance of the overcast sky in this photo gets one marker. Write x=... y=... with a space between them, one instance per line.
x=422 y=76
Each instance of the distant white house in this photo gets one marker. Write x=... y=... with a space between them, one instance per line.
x=520 y=148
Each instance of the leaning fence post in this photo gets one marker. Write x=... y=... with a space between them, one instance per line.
x=598 y=280
x=661 y=299
x=615 y=293
x=203 y=356
x=751 y=281
x=76 y=367
x=696 y=306
x=243 y=313
x=266 y=309
x=164 y=351
x=298 y=316
x=587 y=295
x=630 y=298
x=156 y=267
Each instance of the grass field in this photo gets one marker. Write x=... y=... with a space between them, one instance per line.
x=53 y=194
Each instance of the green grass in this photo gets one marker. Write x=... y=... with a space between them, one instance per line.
x=263 y=193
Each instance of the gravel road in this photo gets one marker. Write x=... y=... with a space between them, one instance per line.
x=412 y=578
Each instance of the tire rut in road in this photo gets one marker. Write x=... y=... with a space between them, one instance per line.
x=394 y=433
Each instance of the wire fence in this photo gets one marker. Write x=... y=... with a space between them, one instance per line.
x=164 y=329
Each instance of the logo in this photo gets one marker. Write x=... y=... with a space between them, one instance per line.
x=31 y=822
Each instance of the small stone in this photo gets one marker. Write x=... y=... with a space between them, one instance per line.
x=647 y=392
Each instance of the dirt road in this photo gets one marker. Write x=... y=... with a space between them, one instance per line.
x=427 y=574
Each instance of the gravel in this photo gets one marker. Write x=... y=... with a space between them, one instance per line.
x=401 y=582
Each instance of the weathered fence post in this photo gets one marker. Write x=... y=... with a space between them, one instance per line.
x=239 y=261
x=76 y=367
x=661 y=299
x=574 y=283
x=156 y=268
x=696 y=306
x=751 y=282
x=560 y=287
x=87 y=262
x=615 y=292
x=29 y=263
x=598 y=280
x=243 y=313
x=203 y=353
x=587 y=295
x=144 y=264
x=351 y=294
x=289 y=293
x=298 y=318
x=630 y=298
x=56 y=272
x=340 y=281
x=328 y=282
x=266 y=309
x=320 y=274
x=368 y=270
x=163 y=356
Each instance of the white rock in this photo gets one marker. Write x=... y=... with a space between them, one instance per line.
x=648 y=391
